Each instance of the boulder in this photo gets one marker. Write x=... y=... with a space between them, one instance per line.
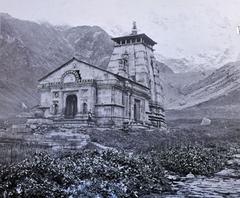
x=234 y=162
x=33 y=126
x=227 y=173
x=190 y=176
x=236 y=156
x=205 y=121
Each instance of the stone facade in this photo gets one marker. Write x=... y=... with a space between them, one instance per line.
x=128 y=91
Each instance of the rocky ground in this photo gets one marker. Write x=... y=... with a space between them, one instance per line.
x=225 y=183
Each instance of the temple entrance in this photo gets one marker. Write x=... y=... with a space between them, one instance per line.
x=71 y=106
x=137 y=110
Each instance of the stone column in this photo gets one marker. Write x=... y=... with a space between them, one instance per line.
x=61 y=103
x=79 y=104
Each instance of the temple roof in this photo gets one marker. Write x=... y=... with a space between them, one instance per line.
x=146 y=39
x=80 y=61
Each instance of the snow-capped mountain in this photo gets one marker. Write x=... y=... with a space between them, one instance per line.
x=216 y=95
x=175 y=83
x=222 y=82
x=193 y=36
x=29 y=50
x=200 y=62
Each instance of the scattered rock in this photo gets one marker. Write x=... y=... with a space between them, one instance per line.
x=205 y=121
x=33 y=126
x=236 y=156
x=190 y=176
x=102 y=147
x=172 y=177
x=234 y=162
x=227 y=173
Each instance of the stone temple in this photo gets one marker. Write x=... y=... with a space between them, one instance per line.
x=129 y=91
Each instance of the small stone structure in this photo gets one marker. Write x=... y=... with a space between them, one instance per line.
x=128 y=91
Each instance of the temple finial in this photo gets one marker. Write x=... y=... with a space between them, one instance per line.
x=134 y=28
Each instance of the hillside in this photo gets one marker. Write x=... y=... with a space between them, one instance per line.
x=216 y=95
x=175 y=83
x=222 y=82
x=29 y=50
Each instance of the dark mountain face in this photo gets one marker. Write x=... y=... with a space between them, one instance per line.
x=164 y=68
x=30 y=50
x=90 y=44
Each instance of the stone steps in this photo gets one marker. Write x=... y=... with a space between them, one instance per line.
x=66 y=140
x=76 y=123
x=56 y=138
x=71 y=121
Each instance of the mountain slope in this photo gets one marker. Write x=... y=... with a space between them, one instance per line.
x=29 y=50
x=90 y=44
x=163 y=68
x=174 y=84
x=216 y=96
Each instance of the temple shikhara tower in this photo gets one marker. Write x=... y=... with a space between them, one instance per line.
x=128 y=91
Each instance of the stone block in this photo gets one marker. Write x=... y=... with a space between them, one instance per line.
x=39 y=121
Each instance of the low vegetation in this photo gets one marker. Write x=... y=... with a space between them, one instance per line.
x=142 y=169
x=197 y=159
x=84 y=174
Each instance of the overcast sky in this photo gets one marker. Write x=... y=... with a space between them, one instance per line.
x=181 y=27
x=119 y=12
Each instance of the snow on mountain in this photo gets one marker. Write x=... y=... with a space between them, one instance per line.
x=193 y=36
x=223 y=82
x=200 y=62
x=174 y=83
x=29 y=50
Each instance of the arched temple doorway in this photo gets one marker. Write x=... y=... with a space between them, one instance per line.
x=136 y=109
x=71 y=106
x=85 y=108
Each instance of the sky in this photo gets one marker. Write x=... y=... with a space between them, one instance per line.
x=182 y=28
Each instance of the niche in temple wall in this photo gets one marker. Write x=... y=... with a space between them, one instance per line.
x=71 y=76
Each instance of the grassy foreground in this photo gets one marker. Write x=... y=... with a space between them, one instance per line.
x=84 y=174
x=139 y=167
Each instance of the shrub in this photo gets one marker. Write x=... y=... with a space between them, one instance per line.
x=196 y=159
x=86 y=173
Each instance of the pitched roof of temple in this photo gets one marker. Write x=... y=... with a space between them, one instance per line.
x=118 y=76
